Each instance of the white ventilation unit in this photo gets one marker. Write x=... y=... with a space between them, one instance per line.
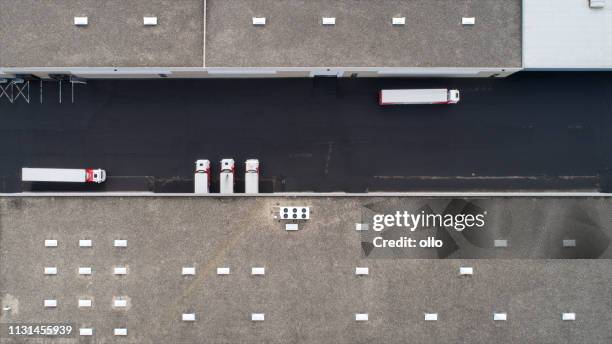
x=81 y=21
x=597 y=3
x=466 y=270
x=258 y=317
x=188 y=317
x=120 y=243
x=294 y=213
x=120 y=303
x=50 y=243
x=500 y=243
x=223 y=271
x=361 y=317
x=569 y=243
x=500 y=316
x=120 y=332
x=84 y=303
x=120 y=270
x=362 y=271
x=398 y=20
x=468 y=20
x=149 y=21
x=85 y=331
x=291 y=227
x=50 y=270
x=328 y=20
x=361 y=226
x=84 y=271
x=85 y=243
x=431 y=316
x=259 y=21
x=568 y=316
x=188 y=271
x=258 y=271
x=50 y=303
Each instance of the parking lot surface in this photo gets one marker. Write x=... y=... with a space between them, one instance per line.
x=527 y=132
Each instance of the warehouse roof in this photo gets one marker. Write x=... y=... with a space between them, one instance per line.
x=43 y=34
x=309 y=292
x=567 y=34
x=363 y=34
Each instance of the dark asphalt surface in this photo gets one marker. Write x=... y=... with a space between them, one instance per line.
x=530 y=131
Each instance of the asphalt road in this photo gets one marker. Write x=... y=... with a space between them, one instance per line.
x=530 y=131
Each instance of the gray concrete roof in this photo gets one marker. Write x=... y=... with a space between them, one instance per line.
x=363 y=35
x=41 y=33
x=309 y=293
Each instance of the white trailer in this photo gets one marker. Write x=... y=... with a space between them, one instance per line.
x=251 y=176
x=226 y=182
x=201 y=179
x=65 y=175
x=422 y=96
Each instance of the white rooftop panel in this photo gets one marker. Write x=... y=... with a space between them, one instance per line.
x=259 y=20
x=149 y=21
x=50 y=270
x=120 y=243
x=188 y=317
x=361 y=316
x=258 y=317
x=85 y=331
x=361 y=226
x=50 y=303
x=188 y=271
x=81 y=21
x=50 y=243
x=223 y=271
x=361 y=271
x=431 y=316
x=85 y=243
x=84 y=270
x=500 y=243
x=328 y=20
x=468 y=20
x=84 y=303
x=120 y=332
x=120 y=303
x=568 y=316
x=559 y=34
x=500 y=316
x=398 y=20
x=120 y=270
x=259 y=271
x=291 y=227
x=466 y=270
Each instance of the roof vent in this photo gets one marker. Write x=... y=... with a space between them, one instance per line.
x=329 y=20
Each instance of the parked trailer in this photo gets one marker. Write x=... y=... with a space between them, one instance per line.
x=226 y=182
x=422 y=96
x=251 y=176
x=65 y=175
x=201 y=179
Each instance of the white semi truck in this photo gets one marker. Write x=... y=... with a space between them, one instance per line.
x=251 y=176
x=65 y=175
x=420 y=96
x=226 y=182
x=202 y=177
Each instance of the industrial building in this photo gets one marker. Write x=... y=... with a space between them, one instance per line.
x=290 y=38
